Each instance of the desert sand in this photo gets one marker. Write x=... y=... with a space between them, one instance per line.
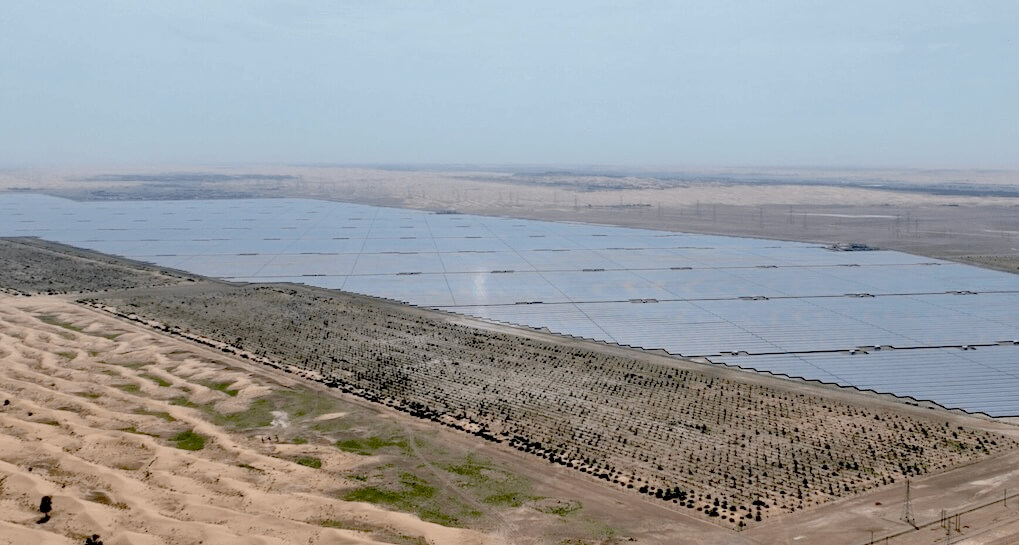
x=87 y=425
x=966 y=215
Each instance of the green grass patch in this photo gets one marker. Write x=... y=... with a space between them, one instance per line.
x=413 y=494
x=130 y=388
x=299 y=441
x=183 y=402
x=163 y=383
x=258 y=414
x=189 y=440
x=68 y=355
x=371 y=445
x=412 y=489
x=221 y=387
x=492 y=485
x=53 y=320
x=89 y=395
x=508 y=499
x=310 y=461
x=158 y=414
x=446 y=519
x=471 y=467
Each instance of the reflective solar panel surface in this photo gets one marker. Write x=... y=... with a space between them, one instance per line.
x=878 y=320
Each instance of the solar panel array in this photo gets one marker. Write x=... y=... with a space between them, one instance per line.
x=880 y=320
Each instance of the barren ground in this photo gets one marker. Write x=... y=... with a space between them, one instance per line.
x=964 y=215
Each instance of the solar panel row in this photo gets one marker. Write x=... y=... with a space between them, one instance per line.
x=786 y=307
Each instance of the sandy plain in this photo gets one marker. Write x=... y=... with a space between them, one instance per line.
x=965 y=215
x=91 y=422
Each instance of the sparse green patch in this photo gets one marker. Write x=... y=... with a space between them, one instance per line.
x=251 y=467
x=371 y=445
x=509 y=499
x=130 y=388
x=89 y=395
x=446 y=519
x=132 y=429
x=93 y=353
x=411 y=493
x=493 y=486
x=353 y=525
x=53 y=320
x=220 y=387
x=412 y=489
x=378 y=533
x=258 y=414
x=68 y=355
x=159 y=414
x=183 y=402
x=103 y=499
x=189 y=440
x=310 y=461
x=470 y=467
x=955 y=445
x=557 y=507
x=299 y=441
x=163 y=383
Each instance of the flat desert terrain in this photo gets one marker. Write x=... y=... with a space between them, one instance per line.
x=965 y=215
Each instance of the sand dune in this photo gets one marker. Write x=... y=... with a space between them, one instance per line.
x=93 y=412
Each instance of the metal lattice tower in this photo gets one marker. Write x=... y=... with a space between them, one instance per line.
x=907 y=509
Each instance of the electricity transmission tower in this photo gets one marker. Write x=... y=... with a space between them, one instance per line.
x=907 y=509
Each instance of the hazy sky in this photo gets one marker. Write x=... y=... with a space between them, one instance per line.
x=912 y=83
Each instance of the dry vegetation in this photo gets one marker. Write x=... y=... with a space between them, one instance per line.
x=33 y=266
x=717 y=446
x=999 y=262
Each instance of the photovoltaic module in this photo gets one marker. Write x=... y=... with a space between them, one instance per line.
x=876 y=320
